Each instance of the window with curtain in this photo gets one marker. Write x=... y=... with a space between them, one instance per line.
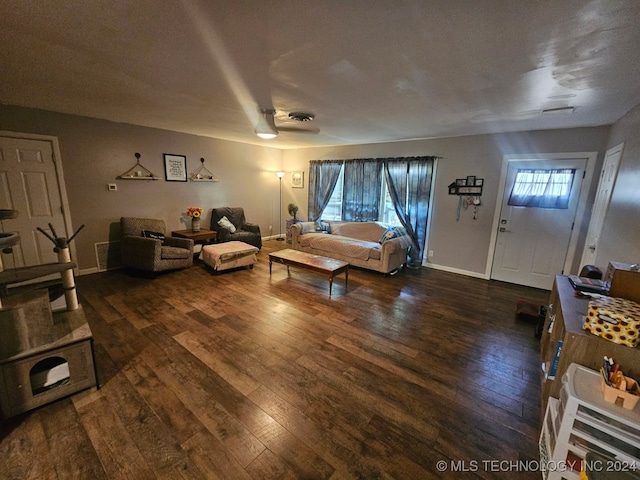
x=542 y=188
x=333 y=210
x=395 y=191
x=388 y=213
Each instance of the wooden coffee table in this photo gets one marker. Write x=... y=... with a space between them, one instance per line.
x=313 y=263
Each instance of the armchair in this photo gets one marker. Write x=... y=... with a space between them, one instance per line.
x=153 y=254
x=245 y=232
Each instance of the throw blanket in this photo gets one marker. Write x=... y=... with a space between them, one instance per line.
x=349 y=247
x=218 y=253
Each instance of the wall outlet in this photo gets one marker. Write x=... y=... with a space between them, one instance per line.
x=113 y=187
x=270 y=228
x=430 y=253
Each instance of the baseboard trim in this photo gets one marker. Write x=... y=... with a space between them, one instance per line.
x=467 y=273
x=88 y=271
x=273 y=237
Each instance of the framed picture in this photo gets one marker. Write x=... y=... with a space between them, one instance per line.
x=461 y=181
x=175 y=168
x=471 y=180
x=297 y=179
x=479 y=182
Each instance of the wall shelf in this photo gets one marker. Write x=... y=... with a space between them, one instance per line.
x=202 y=174
x=467 y=186
x=138 y=172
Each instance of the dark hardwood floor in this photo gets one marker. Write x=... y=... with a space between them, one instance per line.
x=241 y=375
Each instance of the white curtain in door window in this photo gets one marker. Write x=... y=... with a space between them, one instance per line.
x=542 y=188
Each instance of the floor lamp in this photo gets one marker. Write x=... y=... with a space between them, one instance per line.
x=280 y=175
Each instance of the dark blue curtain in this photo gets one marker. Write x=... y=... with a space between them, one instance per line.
x=409 y=185
x=361 y=190
x=323 y=175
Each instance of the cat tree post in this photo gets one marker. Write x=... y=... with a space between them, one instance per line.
x=62 y=250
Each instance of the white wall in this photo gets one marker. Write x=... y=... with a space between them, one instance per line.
x=94 y=152
x=463 y=246
x=620 y=241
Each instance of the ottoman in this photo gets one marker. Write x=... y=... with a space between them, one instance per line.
x=227 y=255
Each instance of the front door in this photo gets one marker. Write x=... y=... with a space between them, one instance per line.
x=29 y=184
x=532 y=241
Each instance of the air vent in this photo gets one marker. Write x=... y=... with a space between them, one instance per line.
x=301 y=116
x=558 y=111
x=108 y=255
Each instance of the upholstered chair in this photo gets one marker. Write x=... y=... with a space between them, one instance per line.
x=239 y=229
x=145 y=246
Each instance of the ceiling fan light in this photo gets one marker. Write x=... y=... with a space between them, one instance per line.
x=266 y=135
x=266 y=127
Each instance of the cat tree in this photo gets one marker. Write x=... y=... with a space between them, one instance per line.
x=44 y=354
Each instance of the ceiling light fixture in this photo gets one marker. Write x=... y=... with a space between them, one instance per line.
x=266 y=127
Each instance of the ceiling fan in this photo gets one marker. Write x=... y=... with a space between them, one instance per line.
x=266 y=127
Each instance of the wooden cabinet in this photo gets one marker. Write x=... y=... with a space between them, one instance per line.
x=43 y=357
x=565 y=317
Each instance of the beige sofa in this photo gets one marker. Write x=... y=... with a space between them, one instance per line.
x=369 y=245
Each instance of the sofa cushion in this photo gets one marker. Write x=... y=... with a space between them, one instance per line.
x=308 y=227
x=345 y=246
x=367 y=231
x=172 y=253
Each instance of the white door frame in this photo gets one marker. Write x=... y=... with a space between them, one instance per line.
x=57 y=161
x=590 y=157
x=600 y=208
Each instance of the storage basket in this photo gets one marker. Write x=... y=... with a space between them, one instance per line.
x=615 y=319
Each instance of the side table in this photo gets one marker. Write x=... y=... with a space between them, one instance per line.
x=200 y=237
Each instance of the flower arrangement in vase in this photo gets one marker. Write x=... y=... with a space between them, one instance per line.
x=196 y=214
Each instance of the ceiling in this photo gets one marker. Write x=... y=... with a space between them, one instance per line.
x=370 y=70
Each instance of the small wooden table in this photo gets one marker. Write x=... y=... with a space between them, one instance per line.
x=199 y=236
x=313 y=263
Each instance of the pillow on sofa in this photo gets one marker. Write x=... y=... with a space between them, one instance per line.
x=307 y=227
x=152 y=234
x=323 y=226
x=225 y=223
x=392 y=232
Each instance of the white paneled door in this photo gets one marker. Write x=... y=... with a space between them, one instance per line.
x=29 y=184
x=532 y=243
x=601 y=204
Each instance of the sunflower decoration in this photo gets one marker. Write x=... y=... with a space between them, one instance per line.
x=195 y=212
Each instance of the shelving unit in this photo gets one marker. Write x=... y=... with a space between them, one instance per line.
x=138 y=172
x=564 y=321
x=203 y=174
x=581 y=421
